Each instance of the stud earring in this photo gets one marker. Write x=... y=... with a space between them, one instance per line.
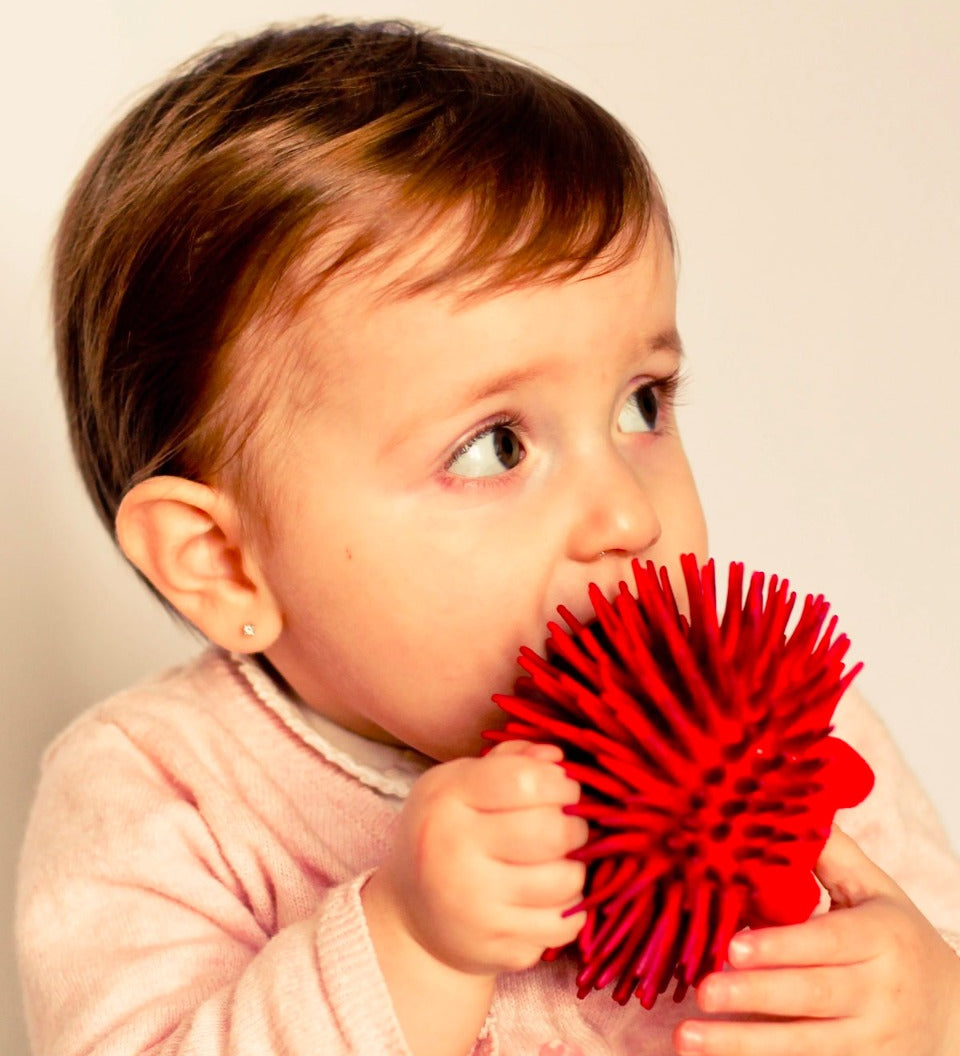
x=249 y=630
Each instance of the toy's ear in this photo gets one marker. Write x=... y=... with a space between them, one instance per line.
x=187 y=540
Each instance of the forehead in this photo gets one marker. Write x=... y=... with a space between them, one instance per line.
x=364 y=322
x=358 y=358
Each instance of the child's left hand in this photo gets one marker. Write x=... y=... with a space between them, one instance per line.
x=871 y=976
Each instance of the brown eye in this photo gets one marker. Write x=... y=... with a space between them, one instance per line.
x=641 y=411
x=492 y=452
x=507 y=447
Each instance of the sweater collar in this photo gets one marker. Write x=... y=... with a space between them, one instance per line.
x=388 y=769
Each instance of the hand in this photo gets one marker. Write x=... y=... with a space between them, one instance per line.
x=478 y=874
x=871 y=976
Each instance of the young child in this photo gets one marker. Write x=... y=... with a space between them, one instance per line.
x=368 y=344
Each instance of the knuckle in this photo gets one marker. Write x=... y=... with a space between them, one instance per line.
x=518 y=778
x=820 y=994
x=536 y=780
x=525 y=779
x=441 y=831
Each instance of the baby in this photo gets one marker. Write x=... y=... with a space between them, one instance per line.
x=368 y=344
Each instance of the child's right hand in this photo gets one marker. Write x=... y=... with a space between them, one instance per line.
x=479 y=874
x=477 y=883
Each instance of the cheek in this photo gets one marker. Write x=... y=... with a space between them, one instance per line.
x=682 y=520
x=695 y=528
x=420 y=602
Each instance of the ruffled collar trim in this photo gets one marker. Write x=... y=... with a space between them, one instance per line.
x=386 y=768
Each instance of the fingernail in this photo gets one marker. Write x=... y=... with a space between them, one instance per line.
x=690 y=1039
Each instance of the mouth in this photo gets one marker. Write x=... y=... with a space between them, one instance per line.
x=582 y=610
x=574 y=613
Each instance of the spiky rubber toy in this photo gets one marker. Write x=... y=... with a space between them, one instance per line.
x=709 y=776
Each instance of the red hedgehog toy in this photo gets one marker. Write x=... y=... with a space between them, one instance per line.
x=709 y=775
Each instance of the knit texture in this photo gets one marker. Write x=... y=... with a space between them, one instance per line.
x=190 y=884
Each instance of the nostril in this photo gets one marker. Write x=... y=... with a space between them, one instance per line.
x=611 y=516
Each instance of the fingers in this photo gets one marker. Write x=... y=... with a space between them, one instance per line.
x=872 y=975
x=823 y=1037
x=552 y=885
x=813 y=993
x=516 y=775
x=849 y=876
x=540 y=834
x=479 y=865
x=506 y=807
x=830 y=939
x=521 y=936
x=551 y=753
x=842 y=936
x=845 y=936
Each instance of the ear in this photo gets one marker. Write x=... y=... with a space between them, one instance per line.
x=187 y=540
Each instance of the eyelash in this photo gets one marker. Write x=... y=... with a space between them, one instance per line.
x=509 y=421
x=667 y=389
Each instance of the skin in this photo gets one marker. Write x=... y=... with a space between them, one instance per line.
x=410 y=561
x=398 y=535
x=450 y=472
x=872 y=976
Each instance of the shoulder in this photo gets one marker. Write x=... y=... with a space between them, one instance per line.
x=194 y=759
x=197 y=735
x=196 y=711
x=160 y=740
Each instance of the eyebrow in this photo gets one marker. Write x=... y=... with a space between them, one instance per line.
x=510 y=379
x=665 y=341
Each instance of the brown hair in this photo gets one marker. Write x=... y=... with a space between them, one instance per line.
x=308 y=149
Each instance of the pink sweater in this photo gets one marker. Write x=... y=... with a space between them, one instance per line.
x=191 y=874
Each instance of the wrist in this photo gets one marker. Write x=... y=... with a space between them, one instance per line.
x=441 y=1007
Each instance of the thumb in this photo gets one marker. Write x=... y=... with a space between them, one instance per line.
x=849 y=876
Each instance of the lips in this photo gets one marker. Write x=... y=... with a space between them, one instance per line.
x=581 y=606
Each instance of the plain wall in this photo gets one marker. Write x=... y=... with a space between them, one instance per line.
x=811 y=158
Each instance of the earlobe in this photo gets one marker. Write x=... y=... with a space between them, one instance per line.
x=187 y=539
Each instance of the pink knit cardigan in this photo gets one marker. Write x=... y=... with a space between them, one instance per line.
x=191 y=873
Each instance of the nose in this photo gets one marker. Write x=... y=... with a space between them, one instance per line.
x=614 y=512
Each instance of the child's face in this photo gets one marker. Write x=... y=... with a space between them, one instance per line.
x=464 y=469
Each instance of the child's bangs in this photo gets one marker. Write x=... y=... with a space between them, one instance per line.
x=532 y=186
x=487 y=184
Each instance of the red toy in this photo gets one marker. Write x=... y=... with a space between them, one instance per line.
x=709 y=776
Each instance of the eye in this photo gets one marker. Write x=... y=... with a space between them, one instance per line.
x=642 y=410
x=490 y=453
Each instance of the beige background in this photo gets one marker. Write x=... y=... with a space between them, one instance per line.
x=811 y=157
